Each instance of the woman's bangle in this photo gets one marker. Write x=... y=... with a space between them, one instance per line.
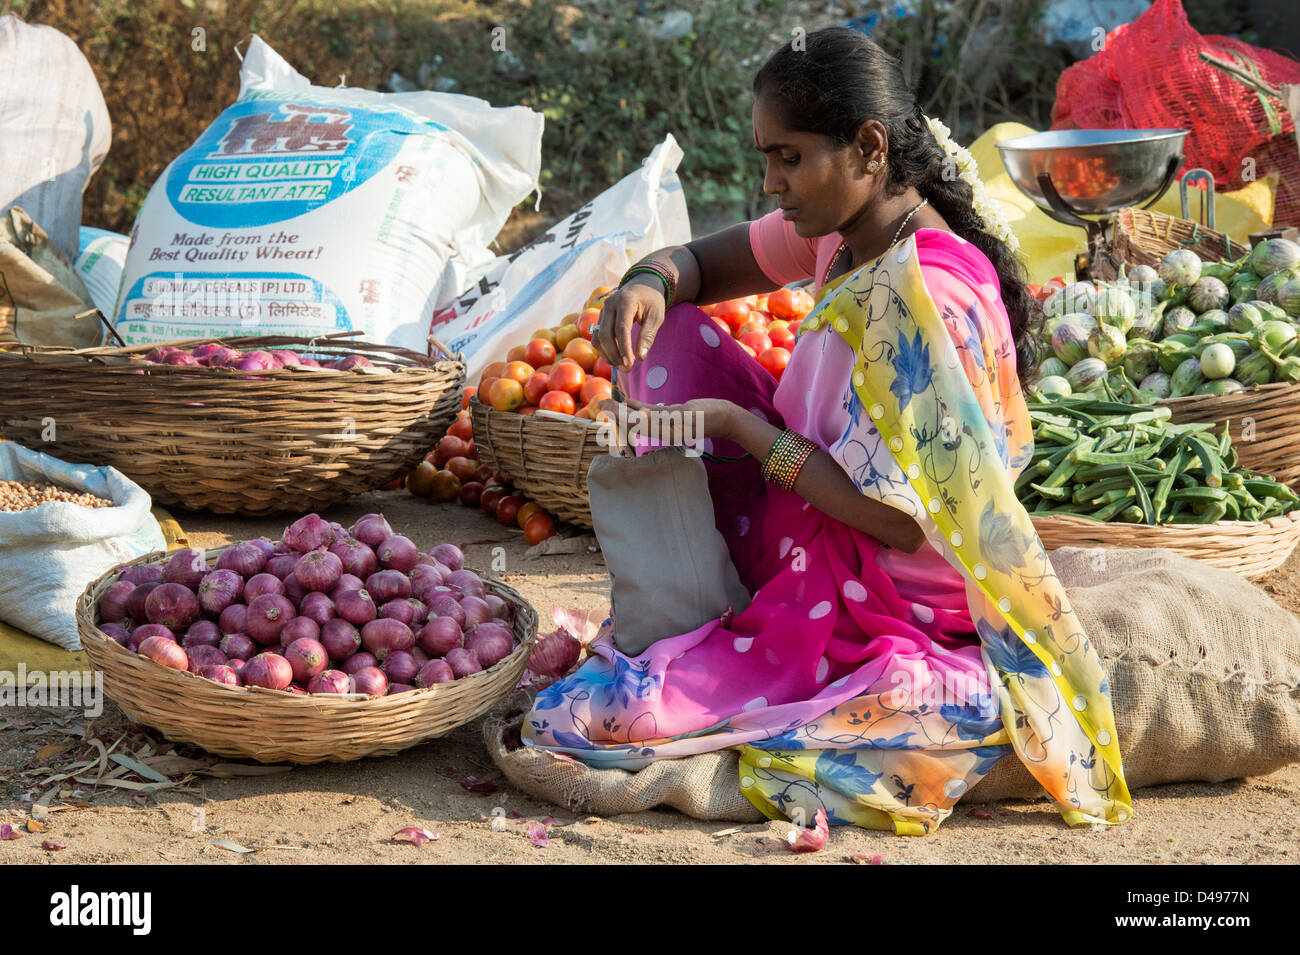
x=664 y=275
x=786 y=459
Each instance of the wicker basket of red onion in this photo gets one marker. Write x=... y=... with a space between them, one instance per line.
x=330 y=644
x=258 y=425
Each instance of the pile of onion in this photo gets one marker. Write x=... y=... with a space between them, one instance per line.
x=326 y=609
x=212 y=355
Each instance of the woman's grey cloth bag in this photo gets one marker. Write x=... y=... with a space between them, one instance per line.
x=670 y=567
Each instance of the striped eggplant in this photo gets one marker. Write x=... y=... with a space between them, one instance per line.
x=1274 y=255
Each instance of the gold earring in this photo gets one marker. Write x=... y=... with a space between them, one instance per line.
x=873 y=165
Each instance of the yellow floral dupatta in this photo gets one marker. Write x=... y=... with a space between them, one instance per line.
x=947 y=413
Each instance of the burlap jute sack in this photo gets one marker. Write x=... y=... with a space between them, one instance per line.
x=41 y=294
x=706 y=786
x=1204 y=670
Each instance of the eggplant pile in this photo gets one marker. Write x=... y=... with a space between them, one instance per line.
x=1185 y=327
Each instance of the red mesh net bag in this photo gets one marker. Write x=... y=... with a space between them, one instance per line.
x=1149 y=75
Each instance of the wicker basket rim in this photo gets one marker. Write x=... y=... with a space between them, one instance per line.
x=404 y=360
x=1065 y=520
x=87 y=612
x=1270 y=390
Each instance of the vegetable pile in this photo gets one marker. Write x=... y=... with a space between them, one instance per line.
x=1185 y=327
x=1110 y=461
x=25 y=495
x=324 y=610
x=215 y=355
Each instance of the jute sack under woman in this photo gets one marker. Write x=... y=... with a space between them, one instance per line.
x=1204 y=672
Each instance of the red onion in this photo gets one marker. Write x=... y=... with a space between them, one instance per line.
x=382 y=637
x=294 y=590
x=400 y=667
x=372 y=530
x=118 y=632
x=340 y=638
x=238 y=646
x=251 y=363
x=318 y=571
x=147 y=630
x=237 y=664
x=346 y=582
x=158 y=354
x=463 y=662
x=223 y=358
x=358 y=559
x=279 y=547
x=330 y=681
x=172 y=605
x=220 y=589
x=358 y=661
x=394 y=688
x=267 y=616
x=307 y=658
x=202 y=633
x=180 y=358
x=204 y=352
x=555 y=655
x=205 y=656
x=112 y=606
x=262 y=544
x=388 y=585
x=421 y=658
x=164 y=651
x=244 y=559
x=398 y=610
x=352 y=361
x=298 y=628
x=260 y=584
x=286 y=358
x=445 y=605
x=309 y=362
x=427 y=575
x=476 y=610
x=296 y=690
x=308 y=533
x=439 y=635
x=135 y=601
x=449 y=555
x=419 y=609
x=186 y=567
x=355 y=606
x=267 y=670
x=234 y=617
x=501 y=609
x=467 y=582
x=221 y=674
x=435 y=671
x=397 y=553
x=491 y=643
x=317 y=607
x=281 y=566
x=143 y=574
x=273 y=648
x=370 y=681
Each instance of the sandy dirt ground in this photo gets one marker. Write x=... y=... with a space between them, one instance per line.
x=348 y=813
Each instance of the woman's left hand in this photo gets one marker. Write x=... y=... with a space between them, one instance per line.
x=716 y=417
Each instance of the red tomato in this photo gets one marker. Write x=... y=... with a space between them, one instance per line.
x=539 y=527
x=774 y=360
x=781 y=337
x=449 y=447
x=567 y=376
x=470 y=492
x=734 y=312
x=488 y=499
x=508 y=508
x=559 y=401
x=517 y=353
x=586 y=320
x=494 y=370
x=593 y=389
x=583 y=352
x=758 y=341
x=505 y=394
x=781 y=303
x=465 y=395
x=535 y=387
x=462 y=427
x=603 y=369
x=539 y=352
x=463 y=468
x=520 y=371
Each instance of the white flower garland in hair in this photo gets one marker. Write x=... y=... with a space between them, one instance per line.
x=986 y=207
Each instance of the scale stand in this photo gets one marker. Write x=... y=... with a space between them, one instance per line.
x=1098 y=230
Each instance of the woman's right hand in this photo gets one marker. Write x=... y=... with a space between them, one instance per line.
x=636 y=303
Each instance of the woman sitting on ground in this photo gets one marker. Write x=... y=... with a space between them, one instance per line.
x=906 y=630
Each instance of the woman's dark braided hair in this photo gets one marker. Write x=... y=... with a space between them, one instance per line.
x=841 y=79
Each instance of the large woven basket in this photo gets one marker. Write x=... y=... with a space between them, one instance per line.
x=273 y=726
x=545 y=457
x=233 y=442
x=1143 y=237
x=1249 y=548
x=1265 y=424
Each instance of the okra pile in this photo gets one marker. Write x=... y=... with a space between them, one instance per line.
x=1110 y=461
